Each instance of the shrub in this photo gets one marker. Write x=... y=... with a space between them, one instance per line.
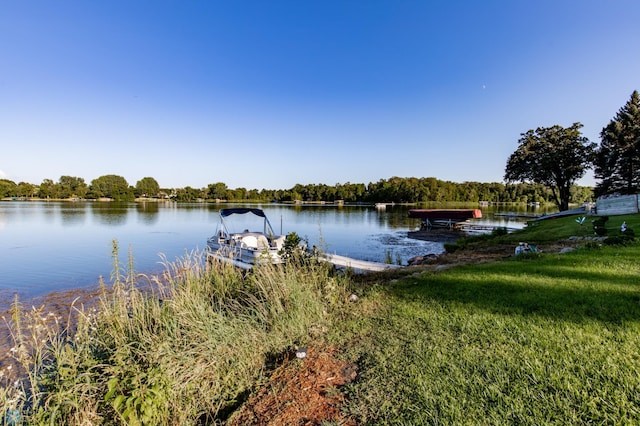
x=500 y=231
x=451 y=247
x=599 y=225
x=620 y=240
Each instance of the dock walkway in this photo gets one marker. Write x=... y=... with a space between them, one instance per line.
x=356 y=264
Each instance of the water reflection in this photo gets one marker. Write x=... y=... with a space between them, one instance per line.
x=73 y=213
x=110 y=213
x=147 y=212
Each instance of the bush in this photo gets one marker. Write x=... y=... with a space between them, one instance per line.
x=599 y=225
x=620 y=240
x=499 y=232
x=451 y=247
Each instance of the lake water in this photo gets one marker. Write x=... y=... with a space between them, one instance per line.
x=51 y=246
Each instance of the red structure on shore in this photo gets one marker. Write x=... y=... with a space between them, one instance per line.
x=456 y=215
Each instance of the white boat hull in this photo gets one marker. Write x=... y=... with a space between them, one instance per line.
x=242 y=255
x=247 y=248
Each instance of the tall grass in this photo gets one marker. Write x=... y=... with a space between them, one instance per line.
x=180 y=348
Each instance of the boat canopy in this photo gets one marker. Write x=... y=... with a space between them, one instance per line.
x=241 y=210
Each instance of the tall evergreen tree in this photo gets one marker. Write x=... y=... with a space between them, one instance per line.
x=617 y=160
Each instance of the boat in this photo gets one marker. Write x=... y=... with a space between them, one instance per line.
x=444 y=217
x=257 y=243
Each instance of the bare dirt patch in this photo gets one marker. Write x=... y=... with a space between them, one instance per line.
x=300 y=392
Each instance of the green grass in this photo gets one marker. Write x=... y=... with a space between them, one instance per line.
x=552 y=339
x=544 y=339
x=548 y=231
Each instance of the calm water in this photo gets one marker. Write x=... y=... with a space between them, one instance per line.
x=50 y=246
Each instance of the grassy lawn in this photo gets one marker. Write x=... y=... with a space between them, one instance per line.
x=551 y=339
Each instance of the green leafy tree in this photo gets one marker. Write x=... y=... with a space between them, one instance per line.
x=7 y=188
x=25 y=189
x=48 y=189
x=189 y=194
x=553 y=156
x=147 y=187
x=217 y=190
x=617 y=160
x=112 y=186
x=70 y=186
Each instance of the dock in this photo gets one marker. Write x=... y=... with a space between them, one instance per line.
x=471 y=227
x=356 y=264
x=443 y=218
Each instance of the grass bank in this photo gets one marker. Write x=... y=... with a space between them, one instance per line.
x=537 y=339
x=183 y=349
x=534 y=339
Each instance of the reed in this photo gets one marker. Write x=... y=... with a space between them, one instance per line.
x=179 y=348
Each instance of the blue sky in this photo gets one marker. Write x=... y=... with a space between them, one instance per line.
x=267 y=94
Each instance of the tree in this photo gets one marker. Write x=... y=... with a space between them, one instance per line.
x=553 y=156
x=26 y=189
x=112 y=186
x=147 y=187
x=217 y=191
x=617 y=161
x=70 y=186
x=48 y=189
x=8 y=188
x=189 y=194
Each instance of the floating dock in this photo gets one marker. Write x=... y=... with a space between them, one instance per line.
x=342 y=262
x=356 y=264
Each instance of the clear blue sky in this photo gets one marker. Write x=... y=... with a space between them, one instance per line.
x=267 y=94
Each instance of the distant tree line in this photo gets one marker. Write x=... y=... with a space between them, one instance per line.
x=69 y=187
x=392 y=190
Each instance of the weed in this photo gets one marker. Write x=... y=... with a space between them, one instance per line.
x=178 y=349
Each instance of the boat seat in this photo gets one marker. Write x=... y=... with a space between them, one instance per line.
x=278 y=241
x=255 y=241
x=263 y=243
x=249 y=241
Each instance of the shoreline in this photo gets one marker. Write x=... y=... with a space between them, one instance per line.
x=60 y=306
x=437 y=235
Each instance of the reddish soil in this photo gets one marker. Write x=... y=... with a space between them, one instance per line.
x=300 y=392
